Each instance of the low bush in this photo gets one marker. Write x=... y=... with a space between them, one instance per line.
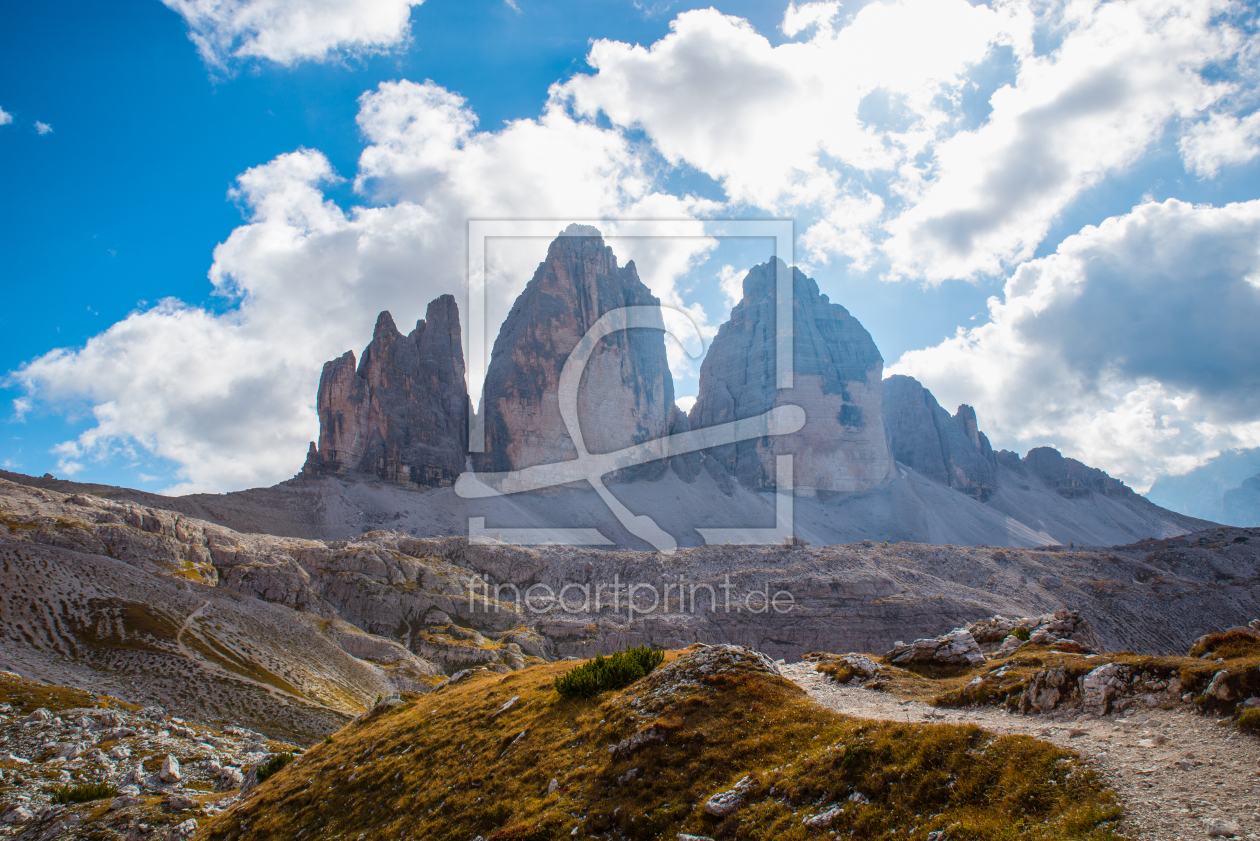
x=83 y=793
x=273 y=765
x=1249 y=721
x=620 y=669
x=1022 y=634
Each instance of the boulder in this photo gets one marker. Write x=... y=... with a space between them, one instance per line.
x=1103 y=685
x=181 y=803
x=725 y=803
x=230 y=777
x=626 y=394
x=169 y=772
x=824 y=820
x=17 y=815
x=183 y=831
x=1044 y=691
x=837 y=380
x=1219 y=828
x=957 y=648
x=631 y=745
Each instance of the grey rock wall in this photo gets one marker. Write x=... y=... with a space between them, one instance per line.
x=837 y=381
x=403 y=414
x=626 y=395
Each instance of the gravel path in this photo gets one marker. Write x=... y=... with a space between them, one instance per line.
x=1177 y=772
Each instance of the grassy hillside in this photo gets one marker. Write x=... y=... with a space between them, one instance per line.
x=450 y=765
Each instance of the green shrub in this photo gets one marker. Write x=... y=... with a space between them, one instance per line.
x=1022 y=634
x=273 y=765
x=83 y=793
x=1249 y=721
x=620 y=669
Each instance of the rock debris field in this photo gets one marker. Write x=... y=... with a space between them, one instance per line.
x=1181 y=776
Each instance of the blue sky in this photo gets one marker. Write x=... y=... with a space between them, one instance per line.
x=949 y=167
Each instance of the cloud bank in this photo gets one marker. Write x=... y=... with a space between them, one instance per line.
x=1134 y=343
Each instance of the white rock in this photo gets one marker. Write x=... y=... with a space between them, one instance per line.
x=825 y=820
x=63 y=777
x=183 y=831
x=1217 y=688
x=169 y=772
x=231 y=777
x=18 y=814
x=16 y=760
x=181 y=803
x=119 y=752
x=724 y=803
x=1223 y=829
x=70 y=751
x=39 y=716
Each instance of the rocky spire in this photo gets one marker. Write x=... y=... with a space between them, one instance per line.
x=403 y=414
x=836 y=380
x=626 y=394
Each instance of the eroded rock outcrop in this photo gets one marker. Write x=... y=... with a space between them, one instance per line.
x=950 y=449
x=1069 y=477
x=626 y=395
x=837 y=381
x=402 y=415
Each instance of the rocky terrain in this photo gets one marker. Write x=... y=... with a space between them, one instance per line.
x=156 y=776
x=292 y=636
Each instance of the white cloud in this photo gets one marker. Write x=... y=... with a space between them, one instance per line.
x=5 y=117
x=1133 y=347
x=716 y=95
x=43 y=128
x=1221 y=140
x=1092 y=107
x=229 y=397
x=797 y=19
x=290 y=31
x=807 y=127
x=731 y=282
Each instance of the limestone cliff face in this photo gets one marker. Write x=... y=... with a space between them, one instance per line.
x=402 y=415
x=837 y=381
x=626 y=393
x=951 y=450
x=1069 y=477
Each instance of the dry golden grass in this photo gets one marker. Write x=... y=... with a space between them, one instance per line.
x=26 y=696
x=444 y=766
